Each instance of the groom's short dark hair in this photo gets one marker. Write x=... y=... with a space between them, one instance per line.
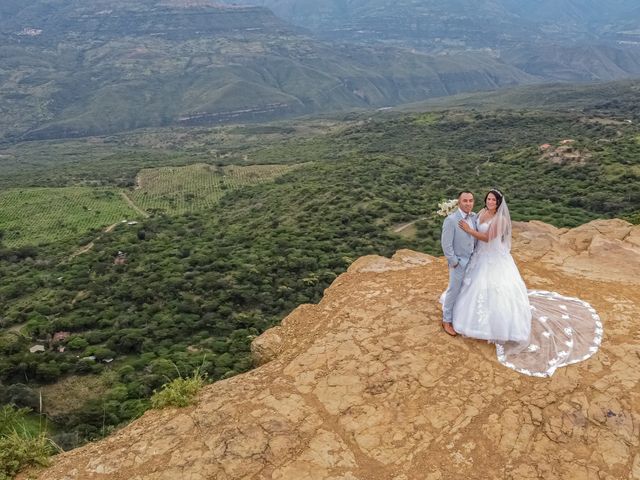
x=465 y=191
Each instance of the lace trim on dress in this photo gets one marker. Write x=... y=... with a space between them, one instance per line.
x=564 y=330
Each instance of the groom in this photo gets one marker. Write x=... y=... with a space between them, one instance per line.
x=457 y=246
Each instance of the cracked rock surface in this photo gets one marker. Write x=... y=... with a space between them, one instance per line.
x=366 y=385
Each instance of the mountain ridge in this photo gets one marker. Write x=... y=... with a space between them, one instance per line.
x=72 y=69
x=122 y=84
x=495 y=23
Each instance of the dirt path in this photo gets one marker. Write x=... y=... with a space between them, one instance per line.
x=133 y=205
x=89 y=245
x=16 y=328
x=110 y=228
x=406 y=225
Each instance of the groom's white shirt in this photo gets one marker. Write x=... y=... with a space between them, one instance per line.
x=467 y=218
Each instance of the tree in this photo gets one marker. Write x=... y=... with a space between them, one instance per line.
x=48 y=372
x=12 y=343
x=20 y=395
x=76 y=342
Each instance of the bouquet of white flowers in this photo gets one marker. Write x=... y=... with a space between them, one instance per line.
x=447 y=207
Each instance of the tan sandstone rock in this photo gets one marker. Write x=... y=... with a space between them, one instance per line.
x=606 y=250
x=366 y=386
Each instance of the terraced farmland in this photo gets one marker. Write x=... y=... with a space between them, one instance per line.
x=176 y=190
x=36 y=216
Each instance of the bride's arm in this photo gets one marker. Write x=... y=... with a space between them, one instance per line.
x=484 y=237
x=474 y=233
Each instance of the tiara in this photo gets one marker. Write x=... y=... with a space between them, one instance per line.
x=497 y=191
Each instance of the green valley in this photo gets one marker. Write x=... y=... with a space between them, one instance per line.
x=190 y=287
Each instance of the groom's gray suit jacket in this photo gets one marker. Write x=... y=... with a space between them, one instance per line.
x=458 y=247
x=457 y=244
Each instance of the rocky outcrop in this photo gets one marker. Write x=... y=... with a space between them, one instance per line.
x=607 y=250
x=365 y=385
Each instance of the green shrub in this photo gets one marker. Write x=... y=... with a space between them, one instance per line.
x=20 y=448
x=179 y=392
x=11 y=419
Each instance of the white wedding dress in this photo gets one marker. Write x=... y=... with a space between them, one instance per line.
x=535 y=331
x=493 y=303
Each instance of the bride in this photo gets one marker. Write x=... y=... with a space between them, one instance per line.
x=535 y=332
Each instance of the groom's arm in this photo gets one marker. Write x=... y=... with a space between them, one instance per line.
x=448 y=230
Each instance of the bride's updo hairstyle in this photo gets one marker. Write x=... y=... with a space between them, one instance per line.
x=497 y=194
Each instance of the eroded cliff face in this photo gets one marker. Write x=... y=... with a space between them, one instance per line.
x=366 y=385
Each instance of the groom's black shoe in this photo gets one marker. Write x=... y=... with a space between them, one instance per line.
x=449 y=329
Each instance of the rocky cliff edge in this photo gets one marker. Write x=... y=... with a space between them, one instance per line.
x=365 y=385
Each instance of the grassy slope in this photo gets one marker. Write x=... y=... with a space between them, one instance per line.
x=115 y=160
x=40 y=215
x=34 y=216
x=176 y=190
x=614 y=99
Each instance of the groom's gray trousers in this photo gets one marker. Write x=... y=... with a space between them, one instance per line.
x=456 y=276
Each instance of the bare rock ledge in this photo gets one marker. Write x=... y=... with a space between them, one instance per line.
x=365 y=385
